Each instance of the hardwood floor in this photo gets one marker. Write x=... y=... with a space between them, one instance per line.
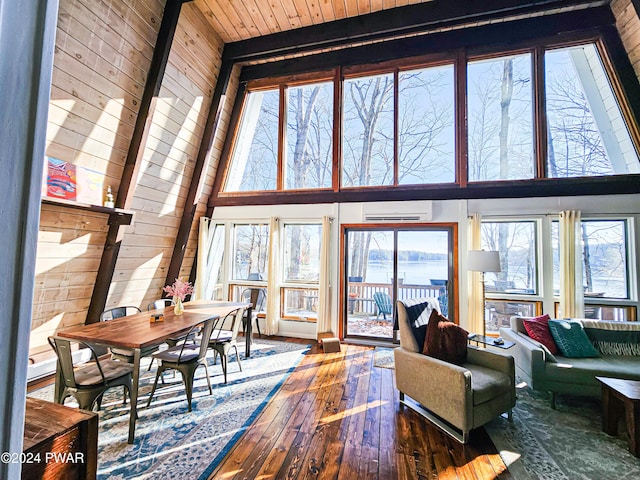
x=338 y=417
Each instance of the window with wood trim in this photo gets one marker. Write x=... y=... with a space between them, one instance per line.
x=542 y=111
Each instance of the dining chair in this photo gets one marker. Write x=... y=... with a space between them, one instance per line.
x=222 y=341
x=160 y=304
x=88 y=382
x=186 y=358
x=256 y=297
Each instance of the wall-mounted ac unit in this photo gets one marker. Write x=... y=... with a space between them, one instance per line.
x=397 y=212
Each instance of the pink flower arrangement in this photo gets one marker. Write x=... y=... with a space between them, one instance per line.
x=179 y=289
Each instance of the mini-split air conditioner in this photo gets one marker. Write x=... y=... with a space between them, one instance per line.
x=397 y=212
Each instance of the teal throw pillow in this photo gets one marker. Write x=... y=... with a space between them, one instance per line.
x=571 y=339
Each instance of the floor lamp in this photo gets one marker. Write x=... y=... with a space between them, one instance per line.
x=483 y=261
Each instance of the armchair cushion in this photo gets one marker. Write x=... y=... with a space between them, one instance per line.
x=445 y=340
x=487 y=383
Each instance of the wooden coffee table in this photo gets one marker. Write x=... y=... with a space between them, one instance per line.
x=621 y=397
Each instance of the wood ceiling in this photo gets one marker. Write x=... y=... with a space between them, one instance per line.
x=236 y=20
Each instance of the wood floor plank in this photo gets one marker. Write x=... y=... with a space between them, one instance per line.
x=338 y=417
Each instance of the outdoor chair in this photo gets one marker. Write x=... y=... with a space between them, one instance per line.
x=222 y=341
x=383 y=302
x=186 y=358
x=125 y=354
x=256 y=297
x=88 y=382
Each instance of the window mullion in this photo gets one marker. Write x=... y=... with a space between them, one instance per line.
x=337 y=130
x=461 y=118
x=539 y=113
x=282 y=117
x=396 y=127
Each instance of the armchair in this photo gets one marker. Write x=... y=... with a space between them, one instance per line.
x=456 y=398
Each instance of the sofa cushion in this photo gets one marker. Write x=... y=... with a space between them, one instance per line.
x=572 y=339
x=538 y=329
x=584 y=370
x=445 y=340
x=487 y=383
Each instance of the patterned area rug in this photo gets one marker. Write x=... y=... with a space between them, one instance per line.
x=563 y=444
x=383 y=357
x=172 y=443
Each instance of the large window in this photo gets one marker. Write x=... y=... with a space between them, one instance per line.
x=587 y=135
x=309 y=136
x=367 y=136
x=516 y=242
x=604 y=258
x=426 y=133
x=254 y=164
x=251 y=252
x=301 y=271
x=546 y=111
x=499 y=105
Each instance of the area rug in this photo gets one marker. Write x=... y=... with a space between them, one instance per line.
x=383 y=357
x=172 y=443
x=563 y=444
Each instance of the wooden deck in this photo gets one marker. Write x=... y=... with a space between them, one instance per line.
x=338 y=417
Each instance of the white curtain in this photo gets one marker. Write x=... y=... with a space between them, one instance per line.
x=324 y=285
x=571 y=290
x=273 y=292
x=476 y=300
x=201 y=259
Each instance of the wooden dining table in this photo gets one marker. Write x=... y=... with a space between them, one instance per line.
x=137 y=332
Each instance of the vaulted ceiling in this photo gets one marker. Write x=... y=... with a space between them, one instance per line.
x=241 y=20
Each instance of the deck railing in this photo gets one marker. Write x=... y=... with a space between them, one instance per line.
x=361 y=294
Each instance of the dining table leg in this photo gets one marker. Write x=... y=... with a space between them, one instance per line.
x=249 y=338
x=133 y=413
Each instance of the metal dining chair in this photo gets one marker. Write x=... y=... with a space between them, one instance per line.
x=222 y=341
x=256 y=297
x=186 y=358
x=159 y=305
x=88 y=382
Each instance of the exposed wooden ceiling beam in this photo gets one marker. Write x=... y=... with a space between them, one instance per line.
x=393 y=22
x=136 y=148
x=548 y=187
x=507 y=34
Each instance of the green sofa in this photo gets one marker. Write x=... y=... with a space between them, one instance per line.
x=617 y=342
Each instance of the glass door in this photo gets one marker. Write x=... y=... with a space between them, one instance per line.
x=383 y=264
x=370 y=267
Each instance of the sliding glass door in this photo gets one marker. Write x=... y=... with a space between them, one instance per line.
x=388 y=263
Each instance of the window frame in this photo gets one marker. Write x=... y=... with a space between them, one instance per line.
x=460 y=59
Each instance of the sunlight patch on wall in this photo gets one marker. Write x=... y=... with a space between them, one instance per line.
x=57 y=117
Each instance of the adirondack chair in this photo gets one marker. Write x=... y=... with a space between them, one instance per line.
x=383 y=302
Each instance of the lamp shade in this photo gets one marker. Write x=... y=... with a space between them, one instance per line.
x=483 y=261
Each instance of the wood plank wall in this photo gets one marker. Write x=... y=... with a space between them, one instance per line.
x=628 y=25
x=103 y=52
x=167 y=165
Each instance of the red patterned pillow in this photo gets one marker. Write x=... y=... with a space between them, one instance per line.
x=538 y=329
x=445 y=340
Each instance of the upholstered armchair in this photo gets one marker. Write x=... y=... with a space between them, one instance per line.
x=456 y=398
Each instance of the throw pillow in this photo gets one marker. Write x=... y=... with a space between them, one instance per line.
x=538 y=329
x=571 y=339
x=445 y=340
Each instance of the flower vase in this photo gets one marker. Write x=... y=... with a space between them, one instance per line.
x=178 y=308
